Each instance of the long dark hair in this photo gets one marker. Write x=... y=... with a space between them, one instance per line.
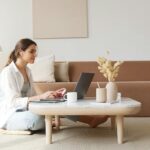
x=22 y=44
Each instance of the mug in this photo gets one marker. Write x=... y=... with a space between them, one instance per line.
x=70 y=97
x=101 y=95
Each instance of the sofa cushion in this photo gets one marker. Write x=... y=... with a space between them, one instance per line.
x=61 y=71
x=43 y=69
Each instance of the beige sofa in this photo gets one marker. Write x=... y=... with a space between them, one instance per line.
x=133 y=81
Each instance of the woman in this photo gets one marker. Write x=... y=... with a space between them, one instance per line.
x=17 y=90
x=16 y=87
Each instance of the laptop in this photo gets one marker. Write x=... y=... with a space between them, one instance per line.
x=81 y=88
x=83 y=84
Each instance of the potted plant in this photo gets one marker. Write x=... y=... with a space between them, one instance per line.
x=110 y=70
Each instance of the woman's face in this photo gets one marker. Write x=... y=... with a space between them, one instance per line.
x=29 y=54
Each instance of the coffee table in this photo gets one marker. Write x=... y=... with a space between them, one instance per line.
x=118 y=110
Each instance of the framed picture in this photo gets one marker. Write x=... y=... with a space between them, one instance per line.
x=60 y=19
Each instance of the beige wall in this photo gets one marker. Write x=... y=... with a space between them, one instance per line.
x=121 y=26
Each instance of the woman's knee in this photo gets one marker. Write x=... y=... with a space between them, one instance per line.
x=35 y=122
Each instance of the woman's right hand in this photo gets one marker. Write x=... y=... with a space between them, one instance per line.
x=46 y=95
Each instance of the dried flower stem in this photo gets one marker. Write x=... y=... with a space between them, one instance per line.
x=108 y=68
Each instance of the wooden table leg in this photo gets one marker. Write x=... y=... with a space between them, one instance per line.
x=119 y=123
x=48 y=124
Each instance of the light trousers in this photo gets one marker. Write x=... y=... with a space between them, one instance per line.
x=25 y=120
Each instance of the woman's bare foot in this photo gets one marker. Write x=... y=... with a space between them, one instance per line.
x=53 y=124
x=56 y=123
x=97 y=121
x=93 y=121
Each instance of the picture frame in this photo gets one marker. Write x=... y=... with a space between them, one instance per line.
x=60 y=19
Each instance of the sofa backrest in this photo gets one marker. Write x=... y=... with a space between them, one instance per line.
x=134 y=71
x=129 y=70
x=75 y=69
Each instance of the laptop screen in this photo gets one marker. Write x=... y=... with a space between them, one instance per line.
x=83 y=84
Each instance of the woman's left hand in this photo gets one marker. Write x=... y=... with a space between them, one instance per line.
x=52 y=94
x=46 y=95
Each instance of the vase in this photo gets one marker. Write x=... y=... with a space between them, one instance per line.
x=112 y=91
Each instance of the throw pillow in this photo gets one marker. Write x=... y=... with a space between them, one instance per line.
x=61 y=71
x=43 y=69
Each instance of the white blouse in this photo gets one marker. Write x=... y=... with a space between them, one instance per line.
x=11 y=83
